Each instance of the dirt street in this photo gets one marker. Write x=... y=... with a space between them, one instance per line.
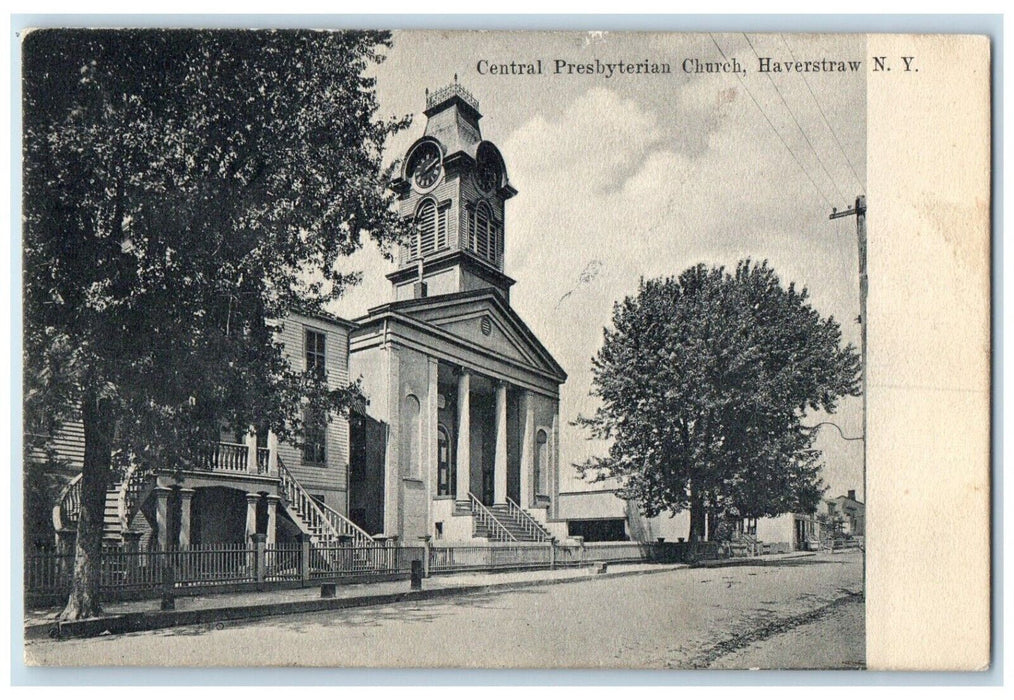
x=802 y=613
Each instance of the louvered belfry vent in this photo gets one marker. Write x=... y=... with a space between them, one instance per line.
x=426 y=228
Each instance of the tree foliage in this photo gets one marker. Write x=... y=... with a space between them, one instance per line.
x=704 y=382
x=182 y=191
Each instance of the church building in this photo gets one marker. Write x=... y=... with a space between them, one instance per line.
x=460 y=437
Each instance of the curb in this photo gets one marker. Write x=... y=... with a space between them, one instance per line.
x=156 y=619
x=749 y=561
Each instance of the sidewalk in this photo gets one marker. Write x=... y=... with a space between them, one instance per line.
x=134 y=616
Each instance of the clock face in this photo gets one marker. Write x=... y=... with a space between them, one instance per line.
x=426 y=166
x=488 y=175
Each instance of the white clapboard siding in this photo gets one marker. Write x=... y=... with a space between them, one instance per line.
x=67 y=443
x=328 y=480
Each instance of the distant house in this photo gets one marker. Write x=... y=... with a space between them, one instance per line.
x=599 y=515
x=851 y=512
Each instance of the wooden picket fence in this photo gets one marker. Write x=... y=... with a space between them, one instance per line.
x=198 y=568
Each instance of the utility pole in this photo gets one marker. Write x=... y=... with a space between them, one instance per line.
x=859 y=211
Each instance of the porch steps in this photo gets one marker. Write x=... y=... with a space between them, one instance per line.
x=112 y=529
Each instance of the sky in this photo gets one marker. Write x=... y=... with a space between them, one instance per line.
x=632 y=175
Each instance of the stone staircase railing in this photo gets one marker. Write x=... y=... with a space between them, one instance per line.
x=496 y=530
x=531 y=526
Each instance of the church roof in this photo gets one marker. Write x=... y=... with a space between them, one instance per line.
x=440 y=313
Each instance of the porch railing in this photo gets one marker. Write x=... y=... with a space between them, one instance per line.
x=68 y=505
x=326 y=526
x=226 y=457
x=132 y=492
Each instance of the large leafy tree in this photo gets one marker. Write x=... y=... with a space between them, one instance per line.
x=705 y=380
x=183 y=190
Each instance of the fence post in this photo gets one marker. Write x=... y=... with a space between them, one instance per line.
x=426 y=555
x=66 y=540
x=304 y=559
x=552 y=553
x=132 y=547
x=391 y=555
x=260 y=565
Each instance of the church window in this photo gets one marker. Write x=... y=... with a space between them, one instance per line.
x=430 y=227
x=445 y=477
x=442 y=226
x=483 y=225
x=472 y=216
x=426 y=228
x=541 y=462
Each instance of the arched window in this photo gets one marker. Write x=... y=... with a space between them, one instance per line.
x=541 y=463
x=425 y=228
x=445 y=466
x=410 y=436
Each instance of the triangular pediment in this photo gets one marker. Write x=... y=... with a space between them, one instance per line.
x=483 y=320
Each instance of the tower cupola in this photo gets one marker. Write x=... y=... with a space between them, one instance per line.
x=453 y=186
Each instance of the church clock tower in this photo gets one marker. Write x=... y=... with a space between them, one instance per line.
x=453 y=187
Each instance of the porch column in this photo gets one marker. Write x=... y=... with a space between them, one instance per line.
x=251 y=515
x=272 y=518
x=500 y=456
x=463 y=456
x=251 y=450
x=528 y=484
x=185 y=499
x=272 y=453
x=162 y=516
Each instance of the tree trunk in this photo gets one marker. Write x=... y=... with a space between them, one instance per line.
x=712 y=519
x=697 y=517
x=97 y=420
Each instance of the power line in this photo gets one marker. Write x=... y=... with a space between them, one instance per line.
x=826 y=121
x=798 y=125
x=772 y=126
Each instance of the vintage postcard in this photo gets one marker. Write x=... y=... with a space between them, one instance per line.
x=506 y=349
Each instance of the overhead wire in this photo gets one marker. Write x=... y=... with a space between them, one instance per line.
x=827 y=122
x=799 y=126
x=772 y=126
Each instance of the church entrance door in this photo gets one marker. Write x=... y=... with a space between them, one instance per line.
x=487 y=485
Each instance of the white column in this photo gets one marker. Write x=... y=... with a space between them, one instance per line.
x=272 y=518
x=528 y=485
x=185 y=498
x=251 y=450
x=272 y=453
x=500 y=456
x=251 y=515
x=463 y=455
